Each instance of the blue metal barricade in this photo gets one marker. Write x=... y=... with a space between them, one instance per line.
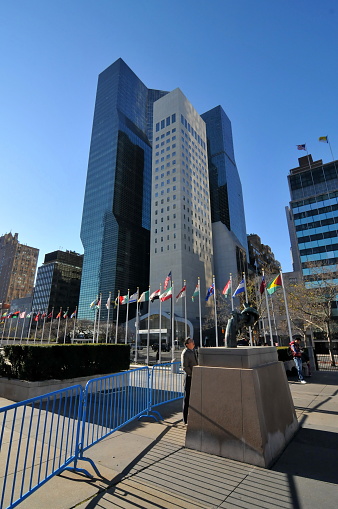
x=166 y=383
x=38 y=439
x=112 y=401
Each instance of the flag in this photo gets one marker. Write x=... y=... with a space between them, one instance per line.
x=196 y=292
x=15 y=314
x=301 y=147
x=263 y=285
x=58 y=315
x=274 y=285
x=36 y=319
x=167 y=281
x=4 y=314
x=43 y=315
x=73 y=315
x=144 y=297
x=240 y=288
x=181 y=293
x=9 y=315
x=210 y=292
x=227 y=289
x=324 y=139
x=124 y=299
x=65 y=314
x=93 y=304
x=155 y=295
x=167 y=294
x=98 y=305
x=108 y=302
x=50 y=315
x=133 y=298
x=29 y=315
x=23 y=314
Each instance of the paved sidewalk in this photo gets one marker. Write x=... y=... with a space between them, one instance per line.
x=145 y=465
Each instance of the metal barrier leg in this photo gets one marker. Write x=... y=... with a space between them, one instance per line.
x=83 y=470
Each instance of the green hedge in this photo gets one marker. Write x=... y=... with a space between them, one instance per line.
x=35 y=363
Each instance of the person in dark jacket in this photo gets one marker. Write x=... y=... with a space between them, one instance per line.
x=297 y=358
x=188 y=360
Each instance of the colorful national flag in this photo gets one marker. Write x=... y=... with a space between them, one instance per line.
x=263 y=285
x=15 y=314
x=124 y=299
x=4 y=314
x=98 y=305
x=167 y=281
x=144 y=297
x=108 y=302
x=227 y=289
x=50 y=315
x=167 y=294
x=210 y=292
x=301 y=147
x=240 y=288
x=65 y=314
x=29 y=314
x=274 y=285
x=181 y=293
x=58 y=315
x=196 y=292
x=93 y=304
x=23 y=314
x=36 y=319
x=155 y=295
x=324 y=139
x=43 y=316
x=133 y=298
x=73 y=315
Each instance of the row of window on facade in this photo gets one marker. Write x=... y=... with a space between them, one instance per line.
x=165 y=122
x=327 y=198
x=191 y=130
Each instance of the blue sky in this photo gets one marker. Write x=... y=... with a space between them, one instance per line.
x=271 y=65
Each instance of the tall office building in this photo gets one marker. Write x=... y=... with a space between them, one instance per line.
x=312 y=215
x=226 y=198
x=181 y=236
x=58 y=282
x=115 y=229
x=17 y=268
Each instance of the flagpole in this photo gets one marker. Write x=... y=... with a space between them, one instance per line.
x=136 y=326
x=160 y=329
x=268 y=311
x=99 y=317
x=127 y=317
x=231 y=289
x=57 y=334
x=274 y=320
x=43 y=326
x=16 y=326
x=199 y=308
x=185 y=311
x=246 y=300
x=30 y=326
x=148 y=331
x=22 y=328
x=95 y=315
x=330 y=147
x=172 y=323
x=64 y=336
x=108 y=307
x=75 y=320
x=117 y=315
x=215 y=304
x=50 y=326
x=36 y=326
x=286 y=307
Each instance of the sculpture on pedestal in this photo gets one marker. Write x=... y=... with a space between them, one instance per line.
x=239 y=319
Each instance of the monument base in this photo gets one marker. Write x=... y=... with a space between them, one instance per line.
x=244 y=412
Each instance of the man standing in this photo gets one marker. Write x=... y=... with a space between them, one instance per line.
x=297 y=357
x=188 y=360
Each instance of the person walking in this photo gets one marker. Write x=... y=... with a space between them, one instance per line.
x=297 y=358
x=188 y=361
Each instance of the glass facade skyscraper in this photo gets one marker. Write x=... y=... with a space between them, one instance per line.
x=115 y=229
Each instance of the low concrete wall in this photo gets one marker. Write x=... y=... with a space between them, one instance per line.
x=20 y=390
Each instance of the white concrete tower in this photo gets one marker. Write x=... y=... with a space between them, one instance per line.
x=181 y=233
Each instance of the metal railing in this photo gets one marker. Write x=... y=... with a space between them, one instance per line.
x=43 y=436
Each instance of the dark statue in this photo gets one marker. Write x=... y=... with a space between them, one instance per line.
x=245 y=318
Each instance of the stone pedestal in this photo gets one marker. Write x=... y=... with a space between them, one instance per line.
x=240 y=405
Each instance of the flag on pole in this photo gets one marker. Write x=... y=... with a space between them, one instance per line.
x=73 y=315
x=274 y=285
x=124 y=299
x=196 y=292
x=144 y=297
x=15 y=314
x=324 y=139
x=108 y=302
x=227 y=289
x=36 y=319
x=98 y=305
x=58 y=315
x=50 y=315
x=22 y=315
x=181 y=293
x=240 y=288
x=167 y=281
x=301 y=147
x=167 y=294
x=29 y=314
x=155 y=295
x=65 y=314
x=210 y=292
x=43 y=316
x=133 y=298
x=263 y=285
x=93 y=304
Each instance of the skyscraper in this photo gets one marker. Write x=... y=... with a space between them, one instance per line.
x=17 y=268
x=181 y=238
x=115 y=229
x=226 y=198
x=313 y=215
